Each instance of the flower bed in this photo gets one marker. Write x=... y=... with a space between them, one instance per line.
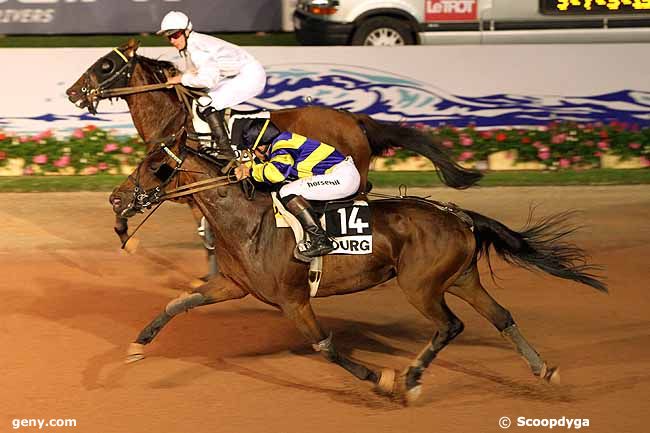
x=87 y=151
x=91 y=150
x=556 y=146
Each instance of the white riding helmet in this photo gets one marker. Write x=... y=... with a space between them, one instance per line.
x=174 y=21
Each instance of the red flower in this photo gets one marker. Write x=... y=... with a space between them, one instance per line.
x=486 y=134
x=501 y=136
x=90 y=128
x=3 y=155
x=2 y=136
x=526 y=140
x=604 y=134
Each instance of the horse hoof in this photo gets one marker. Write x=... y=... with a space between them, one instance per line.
x=131 y=245
x=134 y=353
x=196 y=283
x=413 y=394
x=552 y=376
x=386 y=383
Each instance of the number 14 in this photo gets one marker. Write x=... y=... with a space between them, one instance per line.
x=353 y=222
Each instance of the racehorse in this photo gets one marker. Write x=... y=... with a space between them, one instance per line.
x=428 y=249
x=159 y=113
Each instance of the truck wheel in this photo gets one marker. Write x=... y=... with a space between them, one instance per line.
x=383 y=31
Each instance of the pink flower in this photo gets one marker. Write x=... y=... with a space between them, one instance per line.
x=645 y=161
x=486 y=134
x=543 y=155
x=24 y=139
x=466 y=140
x=62 y=162
x=558 y=139
x=465 y=156
x=634 y=145
x=576 y=158
x=3 y=155
x=102 y=166
x=603 y=145
x=564 y=163
x=448 y=143
x=90 y=170
x=127 y=150
x=604 y=134
x=78 y=134
x=40 y=159
x=598 y=154
x=538 y=145
x=42 y=135
x=110 y=147
x=28 y=171
x=589 y=143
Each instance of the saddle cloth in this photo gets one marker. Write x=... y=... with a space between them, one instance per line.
x=346 y=243
x=346 y=222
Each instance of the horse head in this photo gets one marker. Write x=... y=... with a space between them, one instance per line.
x=113 y=70
x=167 y=167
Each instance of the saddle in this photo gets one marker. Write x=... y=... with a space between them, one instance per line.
x=347 y=221
x=236 y=123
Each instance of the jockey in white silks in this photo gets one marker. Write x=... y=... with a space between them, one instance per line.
x=231 y=74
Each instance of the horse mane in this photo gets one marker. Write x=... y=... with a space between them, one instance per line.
x=155 y=65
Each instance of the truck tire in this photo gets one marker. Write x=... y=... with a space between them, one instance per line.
x=383 y=31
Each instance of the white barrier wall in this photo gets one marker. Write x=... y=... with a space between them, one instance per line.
x=485 y=85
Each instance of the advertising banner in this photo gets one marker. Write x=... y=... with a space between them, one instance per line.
x=485 y=86
x=135 y=16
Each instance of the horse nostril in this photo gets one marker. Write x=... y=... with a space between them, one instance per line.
x=116 y=201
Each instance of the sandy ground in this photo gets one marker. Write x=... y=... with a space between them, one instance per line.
x=71 y=303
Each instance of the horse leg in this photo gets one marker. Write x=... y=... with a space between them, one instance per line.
x=218 y=289
x=205 y=232
x=448 y=327
x=470 y=289
x=305 y=319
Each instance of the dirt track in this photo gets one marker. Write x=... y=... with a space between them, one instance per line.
x=71 y=302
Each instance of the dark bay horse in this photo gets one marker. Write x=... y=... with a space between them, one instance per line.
x=429 y=251
x=160 y=113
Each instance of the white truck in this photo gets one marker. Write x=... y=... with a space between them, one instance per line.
x=402 y=22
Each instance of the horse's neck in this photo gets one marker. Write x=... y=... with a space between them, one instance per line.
x=155 y=114
x=235 y=219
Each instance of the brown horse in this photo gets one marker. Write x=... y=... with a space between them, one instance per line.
x=160 y=113
x=428 y=250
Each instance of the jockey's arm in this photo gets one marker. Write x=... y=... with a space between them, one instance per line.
x=207 y=75
x=275 y=170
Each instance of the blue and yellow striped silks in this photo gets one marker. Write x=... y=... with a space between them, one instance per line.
x=292 y=156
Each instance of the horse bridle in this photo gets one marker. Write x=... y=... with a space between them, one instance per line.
x=119 y=75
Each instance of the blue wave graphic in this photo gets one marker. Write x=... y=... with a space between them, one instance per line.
x=390 y=97
x=387 y=96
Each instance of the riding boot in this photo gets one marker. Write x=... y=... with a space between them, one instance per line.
x=217 y=124
x=315 y=242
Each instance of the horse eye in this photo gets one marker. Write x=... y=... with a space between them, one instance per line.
x=106 y=67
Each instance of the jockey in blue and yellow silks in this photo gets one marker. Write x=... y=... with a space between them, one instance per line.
x=309 y=169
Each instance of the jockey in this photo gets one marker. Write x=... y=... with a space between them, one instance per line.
x=306 y=170
x=231 y=75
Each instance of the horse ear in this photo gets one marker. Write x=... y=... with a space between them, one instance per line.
x=131 y=47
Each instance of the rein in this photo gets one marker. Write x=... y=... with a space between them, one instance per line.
x=185 y=94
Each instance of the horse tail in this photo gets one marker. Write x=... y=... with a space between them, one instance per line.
x=538 y=246
x=383 y=136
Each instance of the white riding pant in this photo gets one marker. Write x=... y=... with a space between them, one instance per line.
x=342 y=181
x=249 y=83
